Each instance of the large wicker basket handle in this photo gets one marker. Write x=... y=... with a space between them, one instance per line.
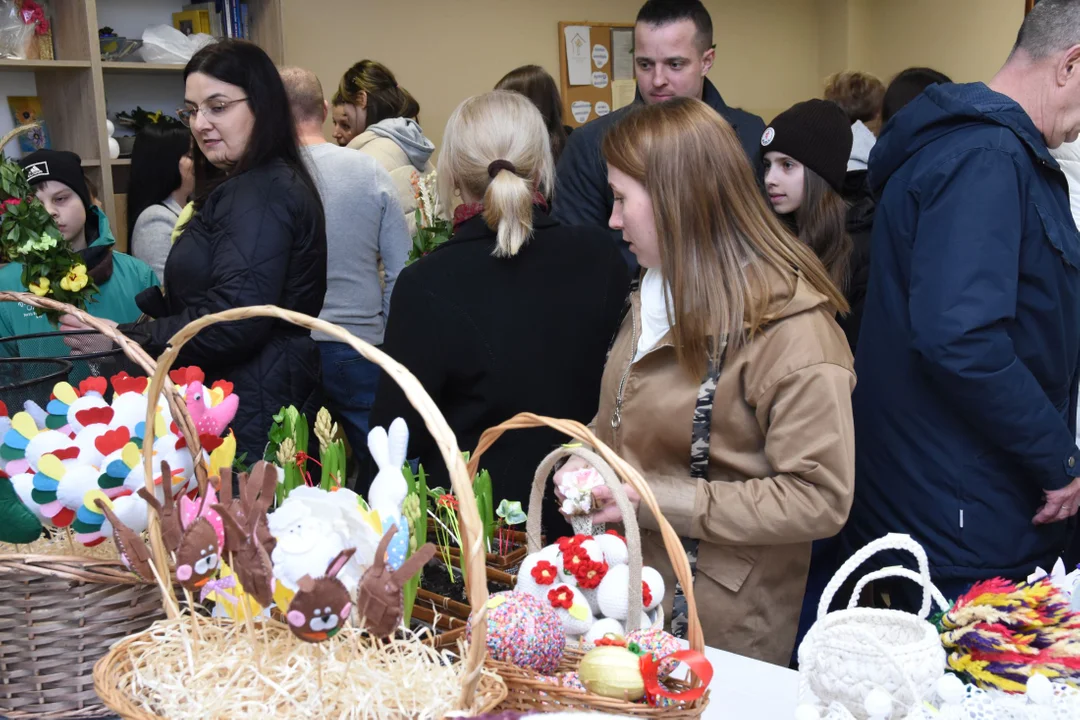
x=892 y=541
x=628 y=474
x=471 y=532
x=633 y=533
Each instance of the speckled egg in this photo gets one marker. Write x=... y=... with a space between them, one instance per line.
x=524 y=632
x=660 y=644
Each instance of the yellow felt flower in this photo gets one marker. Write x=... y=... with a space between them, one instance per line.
x=76 y=279
x=41 y=287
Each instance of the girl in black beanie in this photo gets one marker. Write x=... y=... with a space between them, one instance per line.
x=805 y=152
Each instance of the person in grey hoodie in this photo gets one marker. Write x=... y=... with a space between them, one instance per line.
x=363 y=223
x=384 y=114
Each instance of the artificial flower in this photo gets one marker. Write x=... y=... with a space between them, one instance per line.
x=616 y=534
x=566 y=543
x=646 y=594
x=544 y=573
x=12 y=202
x=447 y=501
x=590 y=573
x=576 y=490
x=561 y=597
x=76 y=279
x=41 y=287
x=575 y=557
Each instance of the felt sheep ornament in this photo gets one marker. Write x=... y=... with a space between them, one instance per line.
x=389 y=488
x=314 y=526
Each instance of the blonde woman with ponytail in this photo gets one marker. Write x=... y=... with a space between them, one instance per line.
x=729 y=382
x=514 y=313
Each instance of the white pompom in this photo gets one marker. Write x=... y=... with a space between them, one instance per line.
x=1040 y=690
x=878 y=704
x=950 y=689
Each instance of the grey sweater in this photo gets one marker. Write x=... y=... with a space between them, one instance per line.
x=151 y=238
x=363 y=223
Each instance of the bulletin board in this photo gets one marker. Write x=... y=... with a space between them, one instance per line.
x=608 y=48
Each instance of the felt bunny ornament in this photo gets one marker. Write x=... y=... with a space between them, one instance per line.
x=389 y=488
x=198 y=557
x=322 y=605
x=250 y=490
x=379 y=599
x=133 y=551
x=172 y=532
x=247 y=555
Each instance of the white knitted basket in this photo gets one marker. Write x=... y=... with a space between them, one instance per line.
x=848 y=653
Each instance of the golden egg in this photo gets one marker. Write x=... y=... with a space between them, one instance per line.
x=613 y=672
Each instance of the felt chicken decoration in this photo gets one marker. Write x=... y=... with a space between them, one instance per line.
x=210 y=420
x=247 y=553
x=133 y=551
x=322 y=605
x=379 y=599
x=17 y=523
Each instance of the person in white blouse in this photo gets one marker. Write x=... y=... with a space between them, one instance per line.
x=161 y=181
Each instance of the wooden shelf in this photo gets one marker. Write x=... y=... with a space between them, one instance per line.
x=31 y=65
x=91 y=163
x=115 y=67
x=120 y=161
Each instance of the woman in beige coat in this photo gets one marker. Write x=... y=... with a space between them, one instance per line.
x=729 y=382
x=375 y=115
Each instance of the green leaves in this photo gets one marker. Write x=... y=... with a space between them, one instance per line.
x=511 y=512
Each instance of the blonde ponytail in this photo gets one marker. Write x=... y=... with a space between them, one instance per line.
x=496 y=149
x=508 y=209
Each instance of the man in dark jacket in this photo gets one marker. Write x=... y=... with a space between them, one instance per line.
x=673 y=51
x=970 y=344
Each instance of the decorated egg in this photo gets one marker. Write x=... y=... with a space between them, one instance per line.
x=660 y=644
x=612 y=671
x=524 y=632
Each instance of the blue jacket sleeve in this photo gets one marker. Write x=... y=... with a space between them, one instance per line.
x=962 y=297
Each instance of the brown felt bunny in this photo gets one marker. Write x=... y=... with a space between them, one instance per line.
x=321 y=605
x=197 y=558
x=254 y=488
x=172 y=532
x=379 y=600
x=249 y=557
x=133 y=551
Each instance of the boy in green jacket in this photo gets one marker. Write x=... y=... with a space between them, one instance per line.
x=58 y=181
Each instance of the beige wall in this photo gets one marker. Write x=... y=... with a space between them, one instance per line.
x=770 y=53
x=446 y=50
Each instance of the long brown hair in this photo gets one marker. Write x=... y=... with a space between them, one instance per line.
x=385 y=98
x=535 y=83
x=717 y=236
x=821 y=223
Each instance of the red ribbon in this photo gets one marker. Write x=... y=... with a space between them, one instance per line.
x=698 y=664
x=301 y=460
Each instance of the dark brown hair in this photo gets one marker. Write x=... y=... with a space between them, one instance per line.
x=385 y=98
x=535 y=83
x=821 y=221
x=718 y=239
x=858 y=94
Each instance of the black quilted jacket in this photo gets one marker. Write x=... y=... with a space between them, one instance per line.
x=259 y=239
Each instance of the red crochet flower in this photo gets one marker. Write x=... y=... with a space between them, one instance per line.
x=616 y=534
x=544 y=572
x=561 y=597
x=566 y=543
x=611 y=640
x=590 y=573
x=646 y=594
x=574 y=558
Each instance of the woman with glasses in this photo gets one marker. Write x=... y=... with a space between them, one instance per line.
x=256 y=237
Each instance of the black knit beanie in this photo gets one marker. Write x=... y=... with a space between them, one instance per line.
x=817 y=134
x=59 y=166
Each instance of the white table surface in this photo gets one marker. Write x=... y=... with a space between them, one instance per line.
x=745 y=688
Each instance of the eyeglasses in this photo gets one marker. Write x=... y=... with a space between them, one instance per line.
x=212 y=111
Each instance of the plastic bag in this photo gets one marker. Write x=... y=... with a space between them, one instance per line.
x=166 y=44
x=14 y=33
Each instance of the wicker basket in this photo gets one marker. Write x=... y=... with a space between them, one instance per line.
x=848 y=653
x=480 y=691
x=59 y=615
x=529 y=693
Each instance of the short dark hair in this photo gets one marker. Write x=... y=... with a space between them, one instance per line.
x=305 y=94
x=858 y=94
x=665 y=12
x=1051 y=26
x=535 y=83
x=155 y=169
x=273 y=136
x=907 y=86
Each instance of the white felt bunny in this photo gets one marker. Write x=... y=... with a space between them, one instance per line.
x=389 y=488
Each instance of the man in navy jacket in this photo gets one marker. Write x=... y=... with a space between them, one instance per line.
x=673 y=51
x=970 y=344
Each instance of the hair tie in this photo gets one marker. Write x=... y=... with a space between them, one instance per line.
x=498 y=165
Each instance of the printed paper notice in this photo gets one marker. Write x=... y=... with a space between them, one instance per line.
x=622 y=93
x=599 y=55
x=602 y=109
x=580 y=109
x=578 y=62
x=622 y=54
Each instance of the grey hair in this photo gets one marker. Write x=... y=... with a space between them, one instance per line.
x=1051 y=27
